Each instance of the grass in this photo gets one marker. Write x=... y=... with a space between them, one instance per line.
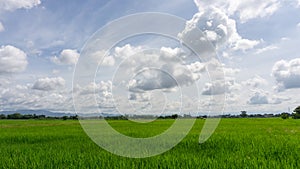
x=237 y=143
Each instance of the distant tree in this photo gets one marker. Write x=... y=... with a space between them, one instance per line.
x=14 y=116
x=65 y=117
x=27 y=116
x=296 y=114
x=243 y=114
x=2 y=116
x=74 y=117
x=174 y=116
x=41 y=116
x=285 y=115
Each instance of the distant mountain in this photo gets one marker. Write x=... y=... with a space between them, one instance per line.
x=38 y=112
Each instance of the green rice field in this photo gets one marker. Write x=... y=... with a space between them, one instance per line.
x=237 y=143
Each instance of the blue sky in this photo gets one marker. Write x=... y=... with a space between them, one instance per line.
x=256 y=41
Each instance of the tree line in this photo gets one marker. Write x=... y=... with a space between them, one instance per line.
x=284 y=115
x=34 y=116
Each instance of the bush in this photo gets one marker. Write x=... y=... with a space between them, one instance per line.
x=2 y=116
x=285 y=115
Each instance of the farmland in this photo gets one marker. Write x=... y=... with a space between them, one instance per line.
x=236 y=143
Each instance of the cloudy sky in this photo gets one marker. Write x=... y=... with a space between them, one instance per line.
x=256 y=43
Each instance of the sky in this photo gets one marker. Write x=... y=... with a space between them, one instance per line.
x=255 y=43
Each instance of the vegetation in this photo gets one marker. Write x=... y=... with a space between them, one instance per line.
x=243 y=114
x=34 y=116
x=236 y=143
x=296 y=114
x=285 y=115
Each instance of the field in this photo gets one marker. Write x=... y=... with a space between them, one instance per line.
x=237 y=143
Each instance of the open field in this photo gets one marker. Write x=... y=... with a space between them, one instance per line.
x=237 y=143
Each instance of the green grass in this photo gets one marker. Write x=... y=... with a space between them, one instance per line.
x=237 y=143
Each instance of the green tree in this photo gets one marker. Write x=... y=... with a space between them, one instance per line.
x=14 y=116
x=285 y=115
x=243 y=114
x=296 y=114
x=2 y=116
x=65 y=117
x=174 y=116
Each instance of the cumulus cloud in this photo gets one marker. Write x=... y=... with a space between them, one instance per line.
x=162 y=70
x=245 y=10
x=168 y=69
x=93 y=88
x=278 y=99
x=12 y=59
x=126 y=51
x=142 y=97
x=1 y=27
x=287 y=74
x=12 y=5
x=152 y=79
x=108 y=61
x=255 y=82
x=218 y=28
x=66 y=57
x=86 y=95
x=220 y=87
x=48 y=84
x=258 y=98
x=215 y=88
x=228 y=85
x=23 y=97
x=244 y=44
x=102 y=58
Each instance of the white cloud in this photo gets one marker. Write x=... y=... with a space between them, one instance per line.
x=220 y=87
x=215 y=88
x=67 y=57
x=221 y=30
x=12 y=5
x=23 y=97
x=255 y=82
x=141 y=97
x=244 y=44
x=108 y=61
x=171 y=55
x=287 y=74
x=230 y=72
x=126 y=51
x=266 y=49
x=168 y=77
x=12 y=59
x=93 y=88
x=298 y=25
x=101 y=56
x=228 y=86
x=1 y=27
x=85 y=95
x=245 y=10
x=258 y=98
x=47 y=84
x=164 y=70
x=278 y=99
